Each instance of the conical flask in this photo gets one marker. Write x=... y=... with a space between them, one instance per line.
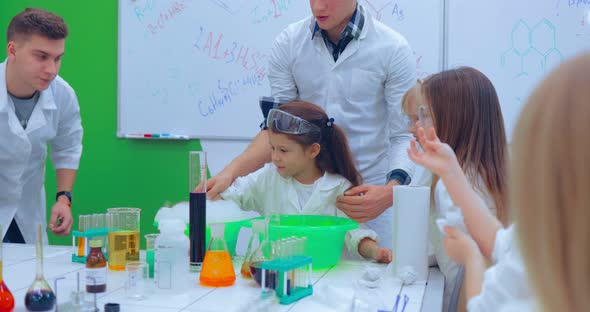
x=6 y=298
x=39 y=297
x=264 y=252
x=217 y=268
x=259 y=236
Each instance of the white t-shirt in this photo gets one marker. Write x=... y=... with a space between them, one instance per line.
x=303 y=192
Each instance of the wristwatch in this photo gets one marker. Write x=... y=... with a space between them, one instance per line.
x=66 y=193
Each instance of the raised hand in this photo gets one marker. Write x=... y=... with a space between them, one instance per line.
x=437 y=157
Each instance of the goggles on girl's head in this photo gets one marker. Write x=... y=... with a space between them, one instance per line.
x=290 y=124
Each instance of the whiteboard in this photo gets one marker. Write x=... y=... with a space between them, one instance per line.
x=198 y=67
x=516 y=43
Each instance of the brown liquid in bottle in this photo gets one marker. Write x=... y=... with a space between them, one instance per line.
x=96 y=269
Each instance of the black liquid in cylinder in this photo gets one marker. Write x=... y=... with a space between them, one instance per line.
x=39 y=300
x=197 y=219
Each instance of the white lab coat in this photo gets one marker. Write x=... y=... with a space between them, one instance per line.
x=362 y=91
x=529 y=305
x=54 y=120
x=442 y=204
x=268 y=193
x=505 y=284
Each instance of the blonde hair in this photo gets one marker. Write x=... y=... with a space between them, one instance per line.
x=550 y=187
x=412 y=94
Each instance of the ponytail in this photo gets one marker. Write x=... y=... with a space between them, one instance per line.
x=335 y=155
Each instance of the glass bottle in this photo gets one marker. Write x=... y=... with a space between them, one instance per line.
x=6 y=298
x=39 y=297
x=259 y=234
x=218 y=269
x=96 y=268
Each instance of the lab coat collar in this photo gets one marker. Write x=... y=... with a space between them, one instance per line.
x=37 y=120
x=327 y=182
x=314 y=28
x=3 y=91
x=352 y=46
x=45 y=102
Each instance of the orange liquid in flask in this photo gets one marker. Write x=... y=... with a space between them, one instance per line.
x=217 y=270
x=245 y=271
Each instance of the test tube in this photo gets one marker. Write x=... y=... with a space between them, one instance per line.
x=297 y=252
x=99 y=223
x=82 y=227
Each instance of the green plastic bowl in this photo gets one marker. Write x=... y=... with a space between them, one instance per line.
x=232 y=229
x=325 y=235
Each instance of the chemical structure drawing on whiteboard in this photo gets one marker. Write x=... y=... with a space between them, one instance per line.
x=533 y=52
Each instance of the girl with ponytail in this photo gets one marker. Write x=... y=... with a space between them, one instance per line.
x=311 y=166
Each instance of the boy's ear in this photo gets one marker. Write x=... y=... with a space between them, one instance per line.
x=10 y=49
x=314 y=150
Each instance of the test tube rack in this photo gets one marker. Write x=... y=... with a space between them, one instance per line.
x=285 y=267
x=292 y=270
x=79 y=254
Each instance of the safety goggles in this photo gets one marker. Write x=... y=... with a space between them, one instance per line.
x=290 y=124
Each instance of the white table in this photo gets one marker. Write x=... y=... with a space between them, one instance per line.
x=332 y=288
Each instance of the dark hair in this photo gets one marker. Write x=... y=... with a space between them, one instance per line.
x=335 y=155
x=467 y=116
x=33 y=21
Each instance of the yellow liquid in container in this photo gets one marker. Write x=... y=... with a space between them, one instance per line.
x=123 y=248
x=217 y=269
x=81 y=246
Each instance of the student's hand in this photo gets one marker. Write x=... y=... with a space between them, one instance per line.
x=383 y=255
x=437 y=157
x=458 y=246
x=61 y=211
x=216 y=185
x=365 y=202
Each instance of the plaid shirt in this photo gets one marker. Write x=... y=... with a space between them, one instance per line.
x=351 y=31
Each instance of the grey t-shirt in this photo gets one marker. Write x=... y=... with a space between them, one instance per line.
x=24 y=107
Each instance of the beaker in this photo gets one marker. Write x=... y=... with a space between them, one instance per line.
x=6 y=298
x=39 y=297
x=150 y=240
x=259 y=235
x=123 y=224
x=136 y=286
x=218 y=269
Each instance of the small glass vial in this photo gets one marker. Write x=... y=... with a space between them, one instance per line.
x=96 y=268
